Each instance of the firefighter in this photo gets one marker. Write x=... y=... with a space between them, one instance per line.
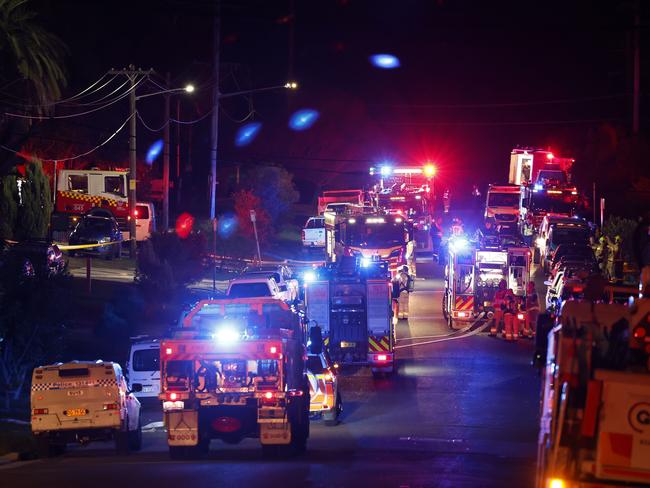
x=404 y=281
x=532 y=309
x=499 y=298
x=436 y=237
x=614 y=259
x=509 y=308
x=528 y=229
x=457 y=227
x=602 y=252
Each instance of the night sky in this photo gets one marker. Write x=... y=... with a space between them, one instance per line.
x=476 y=78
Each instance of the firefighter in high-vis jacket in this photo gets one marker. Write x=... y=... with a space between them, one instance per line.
x=404 y=284
x=509 y=308
x=499 y=302
x=532 y=309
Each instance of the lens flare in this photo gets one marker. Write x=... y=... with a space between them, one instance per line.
x=247 y=133
x=154 y=151
x=228 y=224
x=384 y=61
x=303 y=119
x=184 y=225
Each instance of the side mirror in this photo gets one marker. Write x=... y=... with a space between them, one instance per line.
x=136 y=387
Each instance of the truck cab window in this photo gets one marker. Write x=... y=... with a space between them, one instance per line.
x=114 y=185
x=78 y=183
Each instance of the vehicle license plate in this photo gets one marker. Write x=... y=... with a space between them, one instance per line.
x=75 y=412
x=348 y=344
x=75 y=393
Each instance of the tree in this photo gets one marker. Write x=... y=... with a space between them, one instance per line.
x=34 y=203
x=35 y=54
x=275 y=188
x=8 y=206
x=245 y=201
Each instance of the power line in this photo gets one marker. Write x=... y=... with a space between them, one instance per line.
x=57 y=117
x=78 y=155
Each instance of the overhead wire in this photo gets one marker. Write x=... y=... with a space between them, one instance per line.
x=101 y=100
x=86 y=153
x=83 y=93
x=80 y=114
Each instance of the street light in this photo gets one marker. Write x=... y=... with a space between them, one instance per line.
x=289 y=85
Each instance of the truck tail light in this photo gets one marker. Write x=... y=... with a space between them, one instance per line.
x=173 y=396
x=273 y=350
x=40 y=411
x=111 y=406
x=327 y=376
x=382 y=357
x=295 y=393
x=462 y=314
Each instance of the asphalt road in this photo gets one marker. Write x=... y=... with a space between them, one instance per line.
x=460 y=412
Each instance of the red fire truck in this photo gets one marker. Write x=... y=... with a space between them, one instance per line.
x=236 y=369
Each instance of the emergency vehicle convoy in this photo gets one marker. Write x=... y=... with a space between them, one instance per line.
x=350 y=300
x=236 y=369
x=595 y=416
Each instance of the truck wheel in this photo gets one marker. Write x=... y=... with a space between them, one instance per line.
x=300 y=426
x=445 y=313
x=46 y=448
x=332 y=418
x=122 y=442
x=450 y=322
x=135 y=438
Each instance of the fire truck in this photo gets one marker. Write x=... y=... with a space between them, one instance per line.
x=353 y=197
x=546 y=180
x=77 y=192
x=350 y=300
x=472 y=277
x=595 y=417
x=236 y=369
x=370 y=235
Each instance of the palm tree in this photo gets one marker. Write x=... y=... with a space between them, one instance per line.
x=37 y=55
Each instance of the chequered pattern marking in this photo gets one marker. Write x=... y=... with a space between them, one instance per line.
x=62 y=385
x=94 y=199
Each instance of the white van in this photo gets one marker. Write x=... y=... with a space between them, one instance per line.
x=145 y=222
x=143 y=368
x=83 y=401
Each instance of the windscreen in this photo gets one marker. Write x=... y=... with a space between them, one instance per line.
x=503 y=200
x=544 y=203
x=563 y=235
x=95 y=225
x=375 y=235
x=146 y=360
x=552 y=176
x=213 y=375
x=249 y=290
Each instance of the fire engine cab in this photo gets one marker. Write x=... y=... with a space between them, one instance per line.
x=236 y=369
x=350 y=301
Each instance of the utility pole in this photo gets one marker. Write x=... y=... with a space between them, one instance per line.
x=179 y=181
x=165 y=209
x=215 y=112
x=132 y=74
x=637 y=66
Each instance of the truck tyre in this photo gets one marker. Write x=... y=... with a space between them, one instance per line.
x=122 y=441
x=46 y=448
x=135 y=438
x=445 y=313
x=332 y=418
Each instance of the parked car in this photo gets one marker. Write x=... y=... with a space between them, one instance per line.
x=145 y=221
x=35 y=257
x=254 y=287
x=93 y=229
x=567 y=283
x=325 y=395
x=143 y=367
x=572 y=252
x=282 y=275
x=559 y=230
x=83 y=401
x=313 y=233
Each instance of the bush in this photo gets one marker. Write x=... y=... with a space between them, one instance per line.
x=167 y=262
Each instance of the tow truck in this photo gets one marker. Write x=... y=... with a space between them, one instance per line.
x=595 y=417
x=472 y=276
x=350 y=301
x=371 y=235
x=236 y=369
